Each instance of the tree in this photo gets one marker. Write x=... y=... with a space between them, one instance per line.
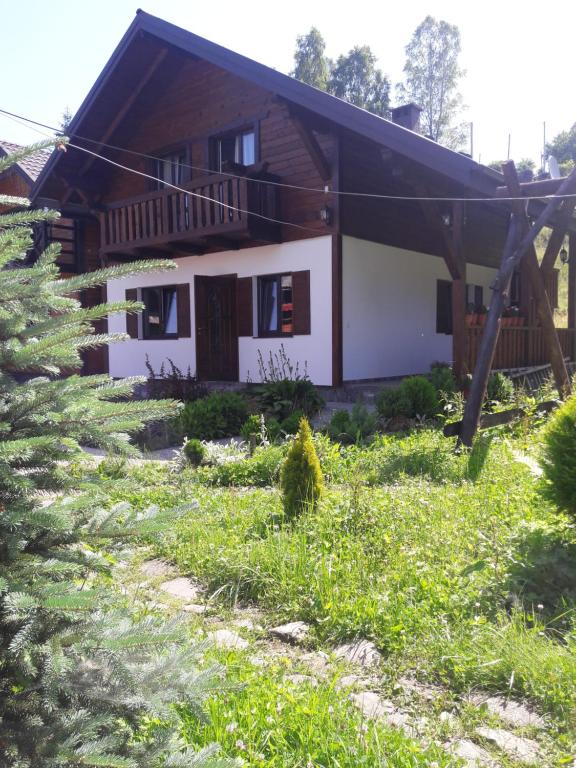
x=301 y=477
x=310 y=63
x=77 y=672
x=563 y=147
x=431 y=76
x=66 y=119
x=355 y=78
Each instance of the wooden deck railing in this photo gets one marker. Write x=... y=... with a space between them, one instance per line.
x=214 y=205
x=519 y=347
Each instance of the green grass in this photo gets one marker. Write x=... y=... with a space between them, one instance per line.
x=271 y=722
x=454 y=564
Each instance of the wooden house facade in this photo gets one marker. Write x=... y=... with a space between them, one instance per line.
x=288 y=213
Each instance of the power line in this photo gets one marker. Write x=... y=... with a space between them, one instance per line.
x=325 y=191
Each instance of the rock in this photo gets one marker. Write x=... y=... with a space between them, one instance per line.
x=412 y=687
x=257 y=661
x=301 y=680
x=473 y=755
x=372 y=705
x=518 y=747
x=362 y=652
x=225 y=638
x=316 y=661
x=293 y=632
x=246 y=624
x=181 y=587
x=348 y=681
x=513 y=713
x=195 y=608
x=153 y=569
x=448 y=717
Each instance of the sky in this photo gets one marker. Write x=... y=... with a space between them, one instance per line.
x=518 y=60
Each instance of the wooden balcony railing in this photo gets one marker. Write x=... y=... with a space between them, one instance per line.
x=519 y=347
x=213 y=206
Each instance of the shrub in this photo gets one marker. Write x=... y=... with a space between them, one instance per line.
x=442 y=379
x=560 y=456
x=259 y=470
x=500 y=389
x=351 y=427
x=291 y=424
x=221 y=414
x=170 y=382
x=416 y=396
x=194 y=451
x=301 y=476
x=282 y=398
x=112 y=468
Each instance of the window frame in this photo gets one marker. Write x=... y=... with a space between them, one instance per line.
x=145 y=312
x=181 y=148
x=266 y=334
x=235 y=129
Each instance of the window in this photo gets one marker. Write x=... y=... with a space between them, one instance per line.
x=474 y=296
x=234 y=148
x=443 y=306
x=170 y=168
x=160 y=315
x=275 y=307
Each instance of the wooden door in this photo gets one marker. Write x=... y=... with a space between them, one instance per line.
x=216 y=328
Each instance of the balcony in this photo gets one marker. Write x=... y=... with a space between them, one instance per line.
x=519 y=347
x=215 y=212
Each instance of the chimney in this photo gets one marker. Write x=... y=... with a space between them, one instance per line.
x=408 y=116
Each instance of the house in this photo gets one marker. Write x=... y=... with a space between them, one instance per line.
x=17 y=180
x=287 y=211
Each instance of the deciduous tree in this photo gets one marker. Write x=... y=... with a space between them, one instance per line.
x=310 y=62
x=431 y=76
x=356 y=78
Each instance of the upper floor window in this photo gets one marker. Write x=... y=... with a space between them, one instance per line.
x=170 y=168
x=234 y=148
x=160 y=315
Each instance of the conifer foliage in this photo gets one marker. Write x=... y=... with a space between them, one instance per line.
x=302 y=481
x=77 y=674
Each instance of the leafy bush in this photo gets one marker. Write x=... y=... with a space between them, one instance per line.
x=560 y=456
x=170 y=382
x=416 y=396
x=194 y=451
x=221 y=414
x=282 y=398
x=500 y=389
x=112 y=468
x=291 y=424
x=301 y=478
x=259 y=470
x=348 y=427
x=442 y=379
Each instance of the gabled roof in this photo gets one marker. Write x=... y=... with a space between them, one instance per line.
x=453 y=165
x=30 y=166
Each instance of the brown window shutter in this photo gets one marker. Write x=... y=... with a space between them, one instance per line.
x=301 y=302
x=183 y=309
x=132 y=317
x=244 y=306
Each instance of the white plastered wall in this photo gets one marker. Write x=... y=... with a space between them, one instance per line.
x=389 y=309
x=314 y=350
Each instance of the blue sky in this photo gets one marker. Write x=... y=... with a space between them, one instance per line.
x=518 y=61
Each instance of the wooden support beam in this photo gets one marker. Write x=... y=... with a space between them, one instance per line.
x=572 y=288
x=434 y=219
x=312 y=146
x=557 y=236
x=459 y=336
x=533 y=188
x=543 y=308
x=126 y=107
x=511 y=258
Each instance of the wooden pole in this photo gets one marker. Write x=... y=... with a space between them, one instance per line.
x=459 y=337
x=572 y=291
x=488 y=344
x=511 y=257
x=543 y=308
